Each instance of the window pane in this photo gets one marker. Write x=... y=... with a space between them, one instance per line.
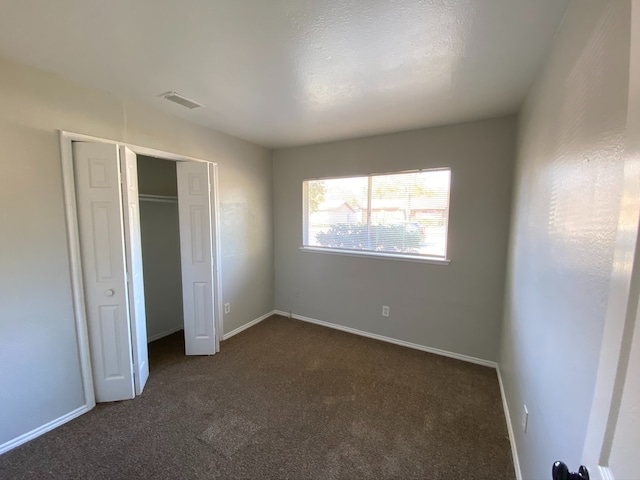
x=335 y=216
x=408 y=214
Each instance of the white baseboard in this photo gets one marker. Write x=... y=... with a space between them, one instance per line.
x=11 y=444
x=166 y=333
x=512 y=438
x=227 y=336
x=416 y=346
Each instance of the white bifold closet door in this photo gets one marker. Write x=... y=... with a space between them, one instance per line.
x=101 y=223
x=133 y=247
x=111 y=252
x=196 y=235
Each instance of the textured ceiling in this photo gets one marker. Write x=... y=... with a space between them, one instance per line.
x=293 y=72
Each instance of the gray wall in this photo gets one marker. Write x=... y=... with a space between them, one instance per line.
x=157 y=176
x=39 y=368
x=162 y=270
x=456 y=307
x=160 y=234
x=566 y=209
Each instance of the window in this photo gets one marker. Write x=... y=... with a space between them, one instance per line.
x=403 y=214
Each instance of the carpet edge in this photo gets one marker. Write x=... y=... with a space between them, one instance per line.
x=436 y=351
x=166 y=333
x=227 y=336
x=42 y=429
x=402 y=343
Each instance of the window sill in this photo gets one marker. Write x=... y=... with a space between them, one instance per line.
x=382 y=256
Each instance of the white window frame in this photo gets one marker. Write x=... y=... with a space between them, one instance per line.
x=420 y=258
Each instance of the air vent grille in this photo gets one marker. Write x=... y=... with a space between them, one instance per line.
x=180 y=100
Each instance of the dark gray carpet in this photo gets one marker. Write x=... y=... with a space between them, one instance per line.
x=286 y=399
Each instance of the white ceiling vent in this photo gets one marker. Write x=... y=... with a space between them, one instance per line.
x=180 y=100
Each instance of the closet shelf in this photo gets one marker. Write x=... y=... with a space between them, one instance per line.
x=158 y=198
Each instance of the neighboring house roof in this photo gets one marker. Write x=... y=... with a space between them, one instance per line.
x=438 y=201
x=435 y=202
x=334 y=205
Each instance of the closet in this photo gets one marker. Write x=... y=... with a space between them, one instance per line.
x=144 y=257
x=160 y=232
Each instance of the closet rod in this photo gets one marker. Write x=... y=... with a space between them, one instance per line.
x=158 y=198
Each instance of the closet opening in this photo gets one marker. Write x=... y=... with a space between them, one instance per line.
x=120 y=298
x=160 y=235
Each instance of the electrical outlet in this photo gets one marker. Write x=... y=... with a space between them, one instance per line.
x=227 y=308
x=385 y=311
x=525 y=418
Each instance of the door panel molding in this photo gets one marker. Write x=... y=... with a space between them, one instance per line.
x=104 y=269
x=195 y=216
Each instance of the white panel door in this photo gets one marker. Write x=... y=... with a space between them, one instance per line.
x=133 y=246
x=196 y=229
x=98 y=195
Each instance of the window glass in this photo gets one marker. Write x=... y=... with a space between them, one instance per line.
x=402 y=213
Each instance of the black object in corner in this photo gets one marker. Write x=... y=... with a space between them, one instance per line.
x=560 y=471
